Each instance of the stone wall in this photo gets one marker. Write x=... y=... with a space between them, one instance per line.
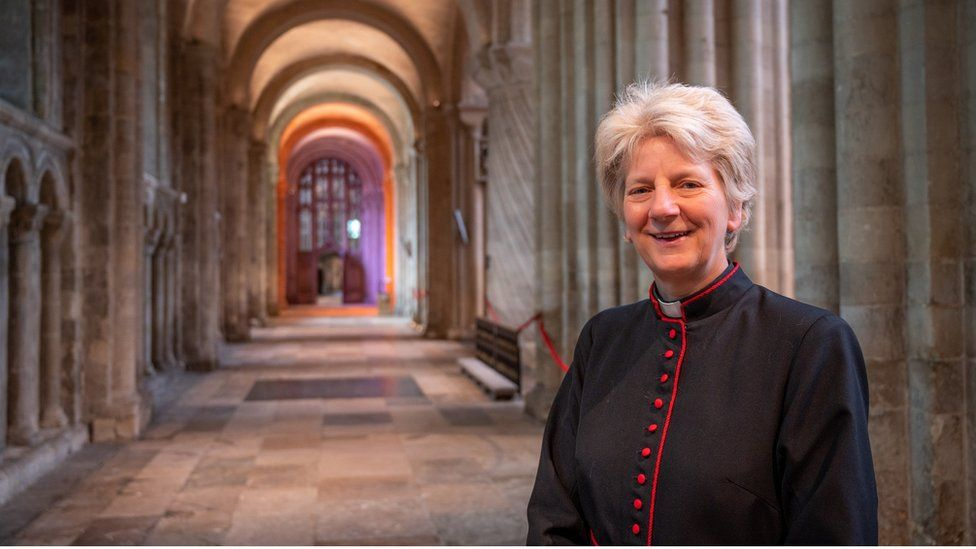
x=882 y=112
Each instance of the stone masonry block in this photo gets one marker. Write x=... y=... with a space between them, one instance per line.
x=879 y=328
x=867 y=284
x=887 y=385
x=870 y=235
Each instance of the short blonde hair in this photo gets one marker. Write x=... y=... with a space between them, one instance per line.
x=700 y=121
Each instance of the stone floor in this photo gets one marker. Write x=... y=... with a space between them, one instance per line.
x=274 y=449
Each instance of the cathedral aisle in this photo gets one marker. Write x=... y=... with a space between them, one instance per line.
x=317 y=431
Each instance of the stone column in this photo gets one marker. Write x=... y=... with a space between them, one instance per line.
x=871 y=229
x=257 y=232
x=25 y=323
x=234 y=194
x=6 y=207
x=749 y=94
x=930 y=147
x=199 y=281
x=505 y=74
x=544 y=377
x=173 y=348
x=813 y=147
x=442 y=125
x=699 y=31
x=52 y=412
x=153 y=238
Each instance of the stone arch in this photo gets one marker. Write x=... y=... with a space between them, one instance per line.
x=277 y=20
x=282 y=121
x=51 y=184
x=362 y=154
x=292 y=128
x=290 y=74
x=16 y=172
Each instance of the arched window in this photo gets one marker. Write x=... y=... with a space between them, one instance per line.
x=329 y=207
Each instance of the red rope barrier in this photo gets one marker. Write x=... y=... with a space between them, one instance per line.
x=542 y=332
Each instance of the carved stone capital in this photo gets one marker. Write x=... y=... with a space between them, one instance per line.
x=53 y=226
x=26 y=221
x=504 y=65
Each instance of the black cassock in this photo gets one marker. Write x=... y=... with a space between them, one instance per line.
x=742 y=420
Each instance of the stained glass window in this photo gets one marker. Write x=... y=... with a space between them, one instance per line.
x=329 y=197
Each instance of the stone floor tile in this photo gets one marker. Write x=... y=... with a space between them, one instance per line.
x=276 y=529
x=270 y=501
x=393 y=516
x=117 y=531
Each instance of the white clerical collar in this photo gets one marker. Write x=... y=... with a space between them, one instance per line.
x=670 y=309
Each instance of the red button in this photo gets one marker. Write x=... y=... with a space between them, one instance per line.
x=672 y=333
x=668 y=354
x=658 y=403
x=638 y=504
x=646 y=452
x=664 y=378
x=635 y=529
x=652 y=427
x=641 y=479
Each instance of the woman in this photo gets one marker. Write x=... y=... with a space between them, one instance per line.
x=717 y=411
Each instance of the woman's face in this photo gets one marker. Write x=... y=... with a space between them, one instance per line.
x=677 y=216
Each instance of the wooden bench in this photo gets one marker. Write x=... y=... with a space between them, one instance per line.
x=496 y=365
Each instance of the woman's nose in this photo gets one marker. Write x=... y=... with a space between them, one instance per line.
x=663 y=204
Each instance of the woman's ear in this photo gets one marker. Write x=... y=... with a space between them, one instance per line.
x=735 y=219
x=627 y=236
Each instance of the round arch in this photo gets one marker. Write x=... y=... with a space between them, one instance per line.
x=60 y=197
x=15 y=165
x=278 y=20
x=335 y=116
x=291 y=74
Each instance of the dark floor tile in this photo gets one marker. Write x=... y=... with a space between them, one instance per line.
x=117 y=531
x=466 y=416
x=351 y=387
x=209 y=419
x=397 y=541
x=364 y=418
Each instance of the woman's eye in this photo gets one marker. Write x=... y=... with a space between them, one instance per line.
x=637 y=190
x=690 y=185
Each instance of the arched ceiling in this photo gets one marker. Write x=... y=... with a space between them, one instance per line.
x=347 y=82
x=332 y=38
x=413 y=40
x=433 y=19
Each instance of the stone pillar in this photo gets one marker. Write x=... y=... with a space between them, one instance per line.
x=153 y=238
x=505 y=74
x=871 y=230
x=130 y=408
x=813 y=149
x=6 y=207
x=172 y=346
x=25 y=323
x=52 y=412
x=543 y=375
x=441 y=295
x=257 y=232
x=199 y=283
x=272 y=240
x=234 y=195
x=699 y=33
x=930 y=147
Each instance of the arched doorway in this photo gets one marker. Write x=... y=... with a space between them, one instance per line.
x=329 y=211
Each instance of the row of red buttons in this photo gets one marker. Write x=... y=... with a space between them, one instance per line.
x=646 y=452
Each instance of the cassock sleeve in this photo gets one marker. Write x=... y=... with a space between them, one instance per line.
x=828 y=489
x=553 y=512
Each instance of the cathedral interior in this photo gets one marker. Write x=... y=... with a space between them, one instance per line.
x=243 y=244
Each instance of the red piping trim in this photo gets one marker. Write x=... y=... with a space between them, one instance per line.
x=692 y=299
x=593 y=539
x=713 y=287
x=667 y=421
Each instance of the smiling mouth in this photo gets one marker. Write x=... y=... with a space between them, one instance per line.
x=669 y=236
